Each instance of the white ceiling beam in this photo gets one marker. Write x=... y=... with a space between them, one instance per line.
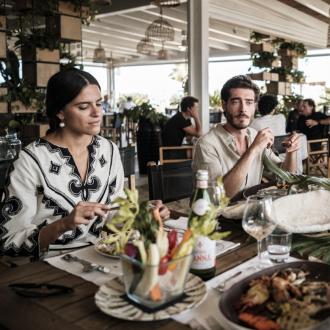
x=318 y=6
x=271 y=17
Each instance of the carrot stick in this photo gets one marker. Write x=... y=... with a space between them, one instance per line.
x=156 y=293
x=186 y=236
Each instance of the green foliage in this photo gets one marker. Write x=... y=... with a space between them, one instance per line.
x=297 y=180
x=317 y=247
x=325 y=99
x=263 y=59
x=215 y=99
x=298 y=47
x=288 y=103
x=147 y=111
x=37 y=39
x=19 y=89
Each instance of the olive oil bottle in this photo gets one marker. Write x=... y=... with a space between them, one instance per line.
x=203 y=263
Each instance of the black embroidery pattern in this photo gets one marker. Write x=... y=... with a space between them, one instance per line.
x=96 y=228
x=102 y=161
x=12 y=206
x=112 y=189
x=84 y=189
x=54 y=168
x=68 y=238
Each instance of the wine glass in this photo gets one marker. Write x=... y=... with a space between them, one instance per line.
x=258 y=221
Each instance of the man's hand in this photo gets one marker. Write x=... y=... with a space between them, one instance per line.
x=194 y=112
x=292 y=143
x=311 y=123
x=264 y=139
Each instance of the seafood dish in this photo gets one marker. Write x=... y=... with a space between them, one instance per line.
x=288 y=298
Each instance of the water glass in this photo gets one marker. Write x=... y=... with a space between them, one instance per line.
x=278 y=246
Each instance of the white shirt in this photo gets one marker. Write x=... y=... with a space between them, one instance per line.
x=276 y=123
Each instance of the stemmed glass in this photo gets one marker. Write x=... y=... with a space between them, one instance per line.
x=258 y=221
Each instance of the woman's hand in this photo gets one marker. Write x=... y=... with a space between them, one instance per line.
x=163 y=210
x=83 y=213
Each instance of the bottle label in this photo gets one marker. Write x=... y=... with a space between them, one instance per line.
x=204 y=253
x=201 y=184
x=200 y=206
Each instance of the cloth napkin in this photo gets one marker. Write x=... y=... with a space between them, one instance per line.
x=89 y=254
x=207 y=315
x=181 y=223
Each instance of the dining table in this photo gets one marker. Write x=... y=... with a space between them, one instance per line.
x=77 y=310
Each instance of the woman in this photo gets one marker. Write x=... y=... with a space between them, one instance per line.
x=60 y=189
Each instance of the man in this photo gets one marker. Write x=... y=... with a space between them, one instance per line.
x=105 y=104
x=234 y=150
x=266 y=107
x=180 y=124
x=312 y=123
x=127 y=105
x=293 y=117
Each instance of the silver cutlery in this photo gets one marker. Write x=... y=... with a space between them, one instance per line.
x=87 y=266
x=221 y=286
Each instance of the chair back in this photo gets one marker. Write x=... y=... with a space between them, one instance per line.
x=175 y=154
x=170 y=182
x=215 y=117
x=318 y=157
x=127 y=156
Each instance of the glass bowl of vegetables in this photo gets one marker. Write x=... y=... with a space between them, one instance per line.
x=155 y=284
x=155 y=274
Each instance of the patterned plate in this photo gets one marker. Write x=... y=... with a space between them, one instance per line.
x=109 y=299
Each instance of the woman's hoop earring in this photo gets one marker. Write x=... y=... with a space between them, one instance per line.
x=61 y=124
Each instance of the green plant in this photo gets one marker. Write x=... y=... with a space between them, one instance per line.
x=263 y=59
x=19 y=89
x=38 y=39
x=298 y=47
x=288 y=102
x=147 y=111
x=325 y=99
x=215 y=99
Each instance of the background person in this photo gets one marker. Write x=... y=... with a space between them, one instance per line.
x=105 y=104
x=180 y=125
x=308 y=118
x=266 y=107
x=293 y=117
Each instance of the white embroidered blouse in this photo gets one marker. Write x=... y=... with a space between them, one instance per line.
x=45 y=185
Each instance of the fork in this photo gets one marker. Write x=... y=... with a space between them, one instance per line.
x=87 y=266
x=221 y=286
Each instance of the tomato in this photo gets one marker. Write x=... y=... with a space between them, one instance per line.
x=172 y=237
x=163 y=265
x=131 y=250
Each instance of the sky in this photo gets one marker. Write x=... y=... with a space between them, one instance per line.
x=154 y=80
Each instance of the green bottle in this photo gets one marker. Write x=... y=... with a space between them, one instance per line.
x=203 y=263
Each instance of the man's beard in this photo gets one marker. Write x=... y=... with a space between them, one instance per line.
x=230 y=120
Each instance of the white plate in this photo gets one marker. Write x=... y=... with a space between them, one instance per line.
x=97 y=249
x=109 y=299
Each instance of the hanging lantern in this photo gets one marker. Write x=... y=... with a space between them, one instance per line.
x=160 y=30
x=145 y=47
x=99 y=54
x=166 y=3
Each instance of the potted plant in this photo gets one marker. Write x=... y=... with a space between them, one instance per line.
x=264 y=60
x=148 y=137
x=294 y=49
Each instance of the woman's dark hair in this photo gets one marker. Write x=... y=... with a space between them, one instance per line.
x=62 y=88
x=311 y=103
x=267 y=104
x=239 y=82
x=188 y=102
